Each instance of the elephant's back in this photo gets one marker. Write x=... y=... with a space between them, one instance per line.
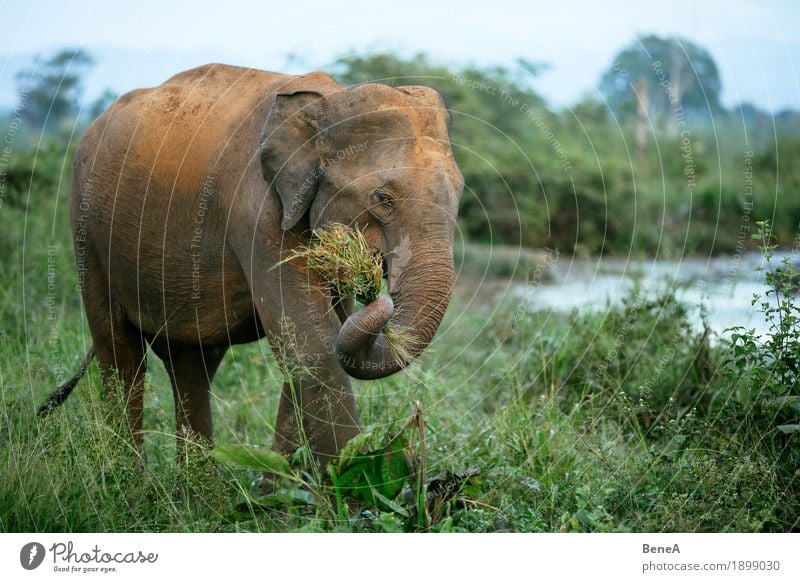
x=216 y=76
x=195 y=116
x=168 y=139
x=153 y=180
x=155 y=153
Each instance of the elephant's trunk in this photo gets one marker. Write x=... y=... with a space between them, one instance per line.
x=417 y=306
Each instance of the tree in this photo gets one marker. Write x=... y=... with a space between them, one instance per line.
x=661 y=76
x=103 y=102
x=52 y=89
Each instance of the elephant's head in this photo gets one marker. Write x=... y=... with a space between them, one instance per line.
x=380 y=158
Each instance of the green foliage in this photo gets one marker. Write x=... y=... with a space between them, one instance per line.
x=52 y=89
x=551 y=409
x=103 y=102
x=80 y=472
x=343 y=259
x=363 y=473
x=632 y=418
x=504 y=262
x=252 y=458
x=766 y=369
x=35 y=173
x=670 y=70
x=376 y=476
x=772 y=363
x=575 y=180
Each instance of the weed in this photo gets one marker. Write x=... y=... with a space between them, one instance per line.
x=350 y=268
x=627 y=419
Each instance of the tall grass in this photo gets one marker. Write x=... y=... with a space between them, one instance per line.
x=628 y=419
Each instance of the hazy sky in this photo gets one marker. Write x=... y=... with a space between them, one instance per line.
x=756 y=43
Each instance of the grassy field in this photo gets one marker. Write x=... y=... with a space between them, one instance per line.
x=625 y=420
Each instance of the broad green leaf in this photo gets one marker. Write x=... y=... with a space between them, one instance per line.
x=354 y=447
x=252 y=458
x=586 y=518
x=783 y=402
x=394 y=506
x=281 y=499
x=383 y=471
x=789 y=428
x=284 y=498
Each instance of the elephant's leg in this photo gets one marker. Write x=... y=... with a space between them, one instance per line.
x=319 y=414
x=317 y=408
x=191 y=369
x=119 y=347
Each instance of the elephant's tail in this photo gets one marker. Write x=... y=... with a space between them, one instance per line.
x=58 y=397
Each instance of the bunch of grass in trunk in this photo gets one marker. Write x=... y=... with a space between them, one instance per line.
x=350 y=268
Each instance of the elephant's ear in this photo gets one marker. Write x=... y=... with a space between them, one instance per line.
x=289 y=158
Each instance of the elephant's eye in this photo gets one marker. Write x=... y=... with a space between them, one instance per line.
x=384 y=199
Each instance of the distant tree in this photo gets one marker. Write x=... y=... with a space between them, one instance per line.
x=590 y=110
x=52 y=88
x=655 y=76
x=787 y=123
x=102 y=103
x=532 y=68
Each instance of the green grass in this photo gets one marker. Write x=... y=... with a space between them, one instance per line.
x=624 y=420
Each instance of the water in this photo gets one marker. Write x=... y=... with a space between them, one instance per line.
x=724 y=285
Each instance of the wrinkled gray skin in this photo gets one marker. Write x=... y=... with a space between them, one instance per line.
x=184 y=197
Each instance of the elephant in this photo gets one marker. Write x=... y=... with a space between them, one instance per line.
x=186 y=200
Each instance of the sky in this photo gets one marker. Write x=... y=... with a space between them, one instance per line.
x=756 y=43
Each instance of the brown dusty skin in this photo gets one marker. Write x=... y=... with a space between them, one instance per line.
x=184 y=194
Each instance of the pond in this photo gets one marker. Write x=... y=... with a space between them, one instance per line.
x=723 y=285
